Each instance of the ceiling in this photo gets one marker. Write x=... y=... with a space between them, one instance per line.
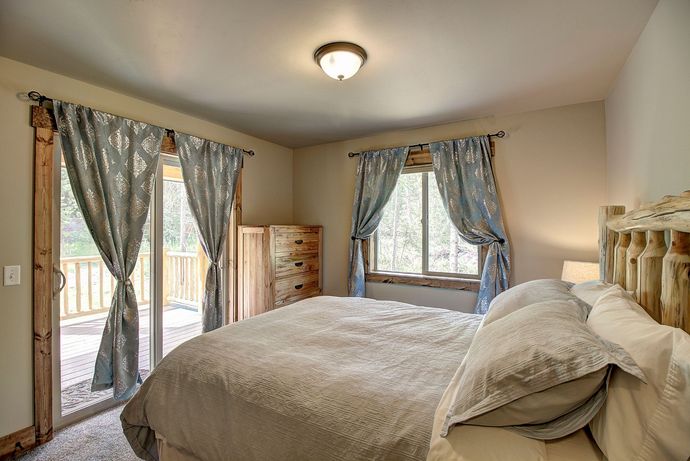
x=248 y=65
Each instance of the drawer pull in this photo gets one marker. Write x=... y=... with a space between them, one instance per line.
x=299 y=242
x=299 y=287
x=299 y=264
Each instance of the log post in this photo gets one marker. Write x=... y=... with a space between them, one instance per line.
x=675 y=283
x=607 y=241
x=619 y=265
x=637 y=245
x=650 y=264
x=43 y=284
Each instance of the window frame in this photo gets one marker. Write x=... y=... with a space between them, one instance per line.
x=468 y=282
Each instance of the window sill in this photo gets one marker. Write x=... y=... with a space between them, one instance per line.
x=453 y=283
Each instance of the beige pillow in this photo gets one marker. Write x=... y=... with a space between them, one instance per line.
x=526 y=294
x=643 y=422
x=540 y=372
x=590 y=291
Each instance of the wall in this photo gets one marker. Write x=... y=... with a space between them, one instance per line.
x=550 y=171
x=648 y=112
x=271 y=165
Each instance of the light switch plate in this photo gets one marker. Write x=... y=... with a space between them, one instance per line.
x=11 y=275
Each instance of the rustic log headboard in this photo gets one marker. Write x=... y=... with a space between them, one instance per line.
x=633 y=253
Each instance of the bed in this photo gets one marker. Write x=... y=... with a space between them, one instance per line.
x=333 y=378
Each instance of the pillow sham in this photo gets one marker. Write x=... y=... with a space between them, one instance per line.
x=540 y=372
x=590 y=291
x=638 y=421
x=526 y=294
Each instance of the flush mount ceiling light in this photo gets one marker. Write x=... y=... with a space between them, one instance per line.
x=340 y=60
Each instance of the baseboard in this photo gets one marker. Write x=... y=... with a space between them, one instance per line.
x=16 y=443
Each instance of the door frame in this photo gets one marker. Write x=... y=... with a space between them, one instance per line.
x=43 y=122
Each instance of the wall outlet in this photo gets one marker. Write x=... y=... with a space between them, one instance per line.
x=11 y=275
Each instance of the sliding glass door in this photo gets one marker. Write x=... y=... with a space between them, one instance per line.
x=81 y=304
x=168 y=281
x=181 y=259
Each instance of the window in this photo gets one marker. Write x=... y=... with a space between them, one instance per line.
x=416 y=242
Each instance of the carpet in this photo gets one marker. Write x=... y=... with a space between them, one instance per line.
x=98 y=438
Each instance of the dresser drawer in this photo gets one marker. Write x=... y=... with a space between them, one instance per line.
x=296 y=286
x=296 y=264
x=296 y=243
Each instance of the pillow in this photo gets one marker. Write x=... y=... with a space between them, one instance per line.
x=590 y=291
x=643 y=422
x=540 y=372
x=525 y=294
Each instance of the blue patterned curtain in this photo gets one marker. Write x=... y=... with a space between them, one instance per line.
x=210 y=171
x=377 y=173
x=466 y=182
x=111 y=162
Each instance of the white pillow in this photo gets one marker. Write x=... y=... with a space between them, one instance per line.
x=590 y=291
x=540 y=372
x=643 y=422
x=526 y=294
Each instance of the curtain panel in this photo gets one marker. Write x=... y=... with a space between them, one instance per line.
x=210 y=172
x=466 y=182
x=377 y=174
x=111 y=163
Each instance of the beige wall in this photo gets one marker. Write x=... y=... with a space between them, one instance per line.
x=648 y=112
x=271 y=165
x=551 y=176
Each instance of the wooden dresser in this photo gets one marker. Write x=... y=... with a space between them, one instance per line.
x=276 y=266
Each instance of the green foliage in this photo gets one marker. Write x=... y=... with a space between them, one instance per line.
x=400 y=233
x=179 y=232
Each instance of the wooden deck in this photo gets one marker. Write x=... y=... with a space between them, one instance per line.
x=80 y=338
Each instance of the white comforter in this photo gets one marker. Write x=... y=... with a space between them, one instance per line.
x=323 y=379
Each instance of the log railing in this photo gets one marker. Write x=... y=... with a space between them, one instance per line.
x=89 y=285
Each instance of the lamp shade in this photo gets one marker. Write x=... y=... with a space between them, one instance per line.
x=340 y=60
x=579 y=271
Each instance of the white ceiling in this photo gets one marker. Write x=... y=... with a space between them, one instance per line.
x=248 y=64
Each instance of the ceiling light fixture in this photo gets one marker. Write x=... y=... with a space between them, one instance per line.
x=340 y=60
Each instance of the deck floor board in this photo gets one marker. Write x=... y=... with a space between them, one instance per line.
x=79 y=341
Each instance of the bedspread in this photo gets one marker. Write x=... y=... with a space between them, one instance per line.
x=323 y=379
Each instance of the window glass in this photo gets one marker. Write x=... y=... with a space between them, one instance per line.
x=448 y=252
x=399 y=235
x=399 y=240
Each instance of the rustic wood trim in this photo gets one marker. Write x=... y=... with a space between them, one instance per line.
x=662 y=281
x=42 y=117
x=418 y=157
x=607 y=241
x=619 y=266
x=675 y=282
x=670 y=213
x=43 y=283
x=452 y=283
x=637 y=245
x=16 y=443
x=650 y=267
x=269 y=266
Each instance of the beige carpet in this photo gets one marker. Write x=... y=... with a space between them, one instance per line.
x=98 y=438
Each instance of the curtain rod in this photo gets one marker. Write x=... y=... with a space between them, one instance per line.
x=40 y=99
x=499 y=134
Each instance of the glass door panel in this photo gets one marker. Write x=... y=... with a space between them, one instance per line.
x=83 y=304
x=183 y=260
